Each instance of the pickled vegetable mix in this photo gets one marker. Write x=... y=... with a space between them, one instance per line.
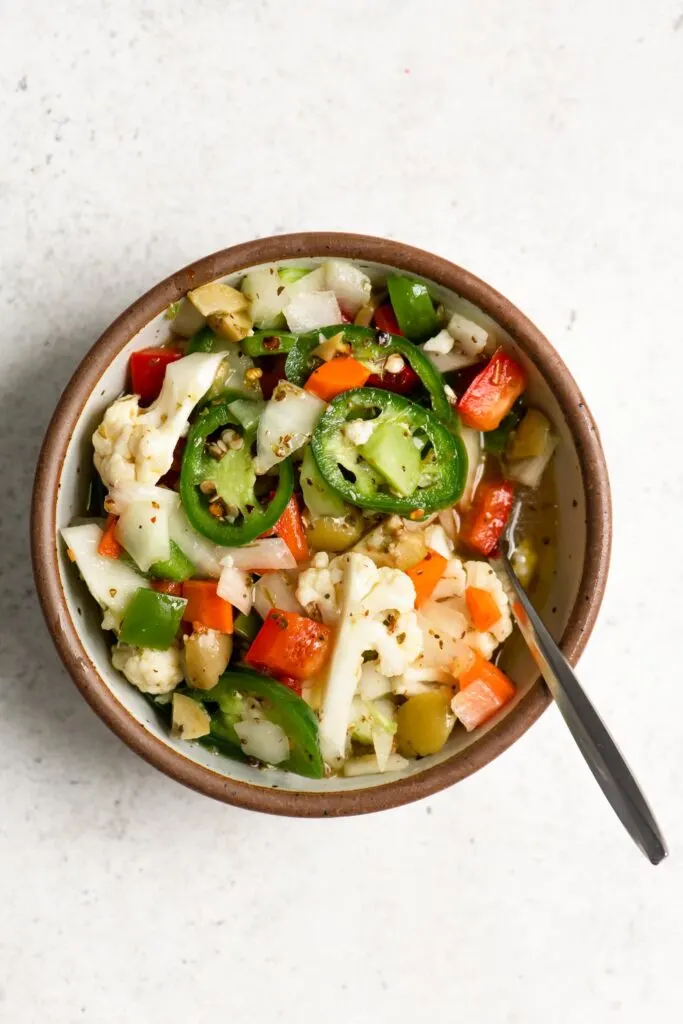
x=292 y=511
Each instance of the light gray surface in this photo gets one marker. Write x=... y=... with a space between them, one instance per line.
x=536 y=143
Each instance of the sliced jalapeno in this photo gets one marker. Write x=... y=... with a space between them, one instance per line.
x=278 y=703
x=267 y=343
x=409 y=463
x=219 y=488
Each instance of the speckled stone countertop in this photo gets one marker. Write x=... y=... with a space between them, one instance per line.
x=538 y=144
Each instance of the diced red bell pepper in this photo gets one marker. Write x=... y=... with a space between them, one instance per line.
x=484 y=522
x=147 y=370
x=402 y=383
x=492 y=393
x=204 y=606
x=273 y=372
x=385 y=319
x=289 y=644
x=290 y=529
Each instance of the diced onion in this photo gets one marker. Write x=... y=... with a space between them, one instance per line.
x=287 y=423
x=263 y=739
x=275 y=591
x=143 y=531
x=349 y=283
x=475 y=464
x=262 y=555
x=307 y=311
x=530 y=471
x=236 y=587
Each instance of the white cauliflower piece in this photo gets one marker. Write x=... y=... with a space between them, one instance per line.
x=376 y=613
x=318 y=591
x=484 y=643
x=136 y=445
x=151 y=671
x=359 y=431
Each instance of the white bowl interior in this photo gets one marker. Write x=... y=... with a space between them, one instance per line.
x=555 y=608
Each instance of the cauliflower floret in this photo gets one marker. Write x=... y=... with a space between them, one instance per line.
x=376 y=613
x=136 y=445
x=317 y=590
x=151 y=671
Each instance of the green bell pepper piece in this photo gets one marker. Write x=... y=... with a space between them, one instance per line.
x=267 y=343
x=370 y=346
x=235 y=482
x=366 y=480
x=279 y=704
x=152 y=619
x=413 y=308
x=176 y=567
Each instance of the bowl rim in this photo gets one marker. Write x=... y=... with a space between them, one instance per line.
x=44 y=549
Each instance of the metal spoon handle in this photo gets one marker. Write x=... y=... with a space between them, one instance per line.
x=594 y=741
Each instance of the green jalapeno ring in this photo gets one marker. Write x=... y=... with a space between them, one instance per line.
x=237 y=473
x=444 y=457
x=281 y=706
x=268 y=343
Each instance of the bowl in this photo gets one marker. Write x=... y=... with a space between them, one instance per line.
x=570 y=606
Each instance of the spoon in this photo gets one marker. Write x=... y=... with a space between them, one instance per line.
x=595 y=743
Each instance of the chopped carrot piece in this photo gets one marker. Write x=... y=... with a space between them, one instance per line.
x=109 y=546
x=482 y=607
x=290 y=529
x=484 y=689
x=426 y=574
x=205 y=606
x=338 y=375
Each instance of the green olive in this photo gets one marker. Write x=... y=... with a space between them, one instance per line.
x=329 y=533
x=424 y=724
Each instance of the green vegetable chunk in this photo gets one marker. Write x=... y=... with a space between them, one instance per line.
x=279 y=705
x=204 y=341
x=320 y=499
x=346 y=468
x=413 y=307
x=247 y=626
x=177 y=566
x=218 y=484
x=152 y=619
x=290 y=275
x=390 y=450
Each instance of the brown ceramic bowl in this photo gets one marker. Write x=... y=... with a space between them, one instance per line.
x=60 y=493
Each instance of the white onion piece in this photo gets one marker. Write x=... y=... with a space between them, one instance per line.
x=264 y=290
x=262 y=555
x=310 y=310
x=349 y=283
x=447 y=520
x=530 y=471
x=275 y=591
x=446 y=617
x=111 y=581
x=372 y=683
x=205 y=556
x=236 y=587
x=475 y=464
x=263 y=739
x=447 y=362
x=119 y=498
x=142 y=529
x=311 y=282
x=470 y=337
x=287 y=423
